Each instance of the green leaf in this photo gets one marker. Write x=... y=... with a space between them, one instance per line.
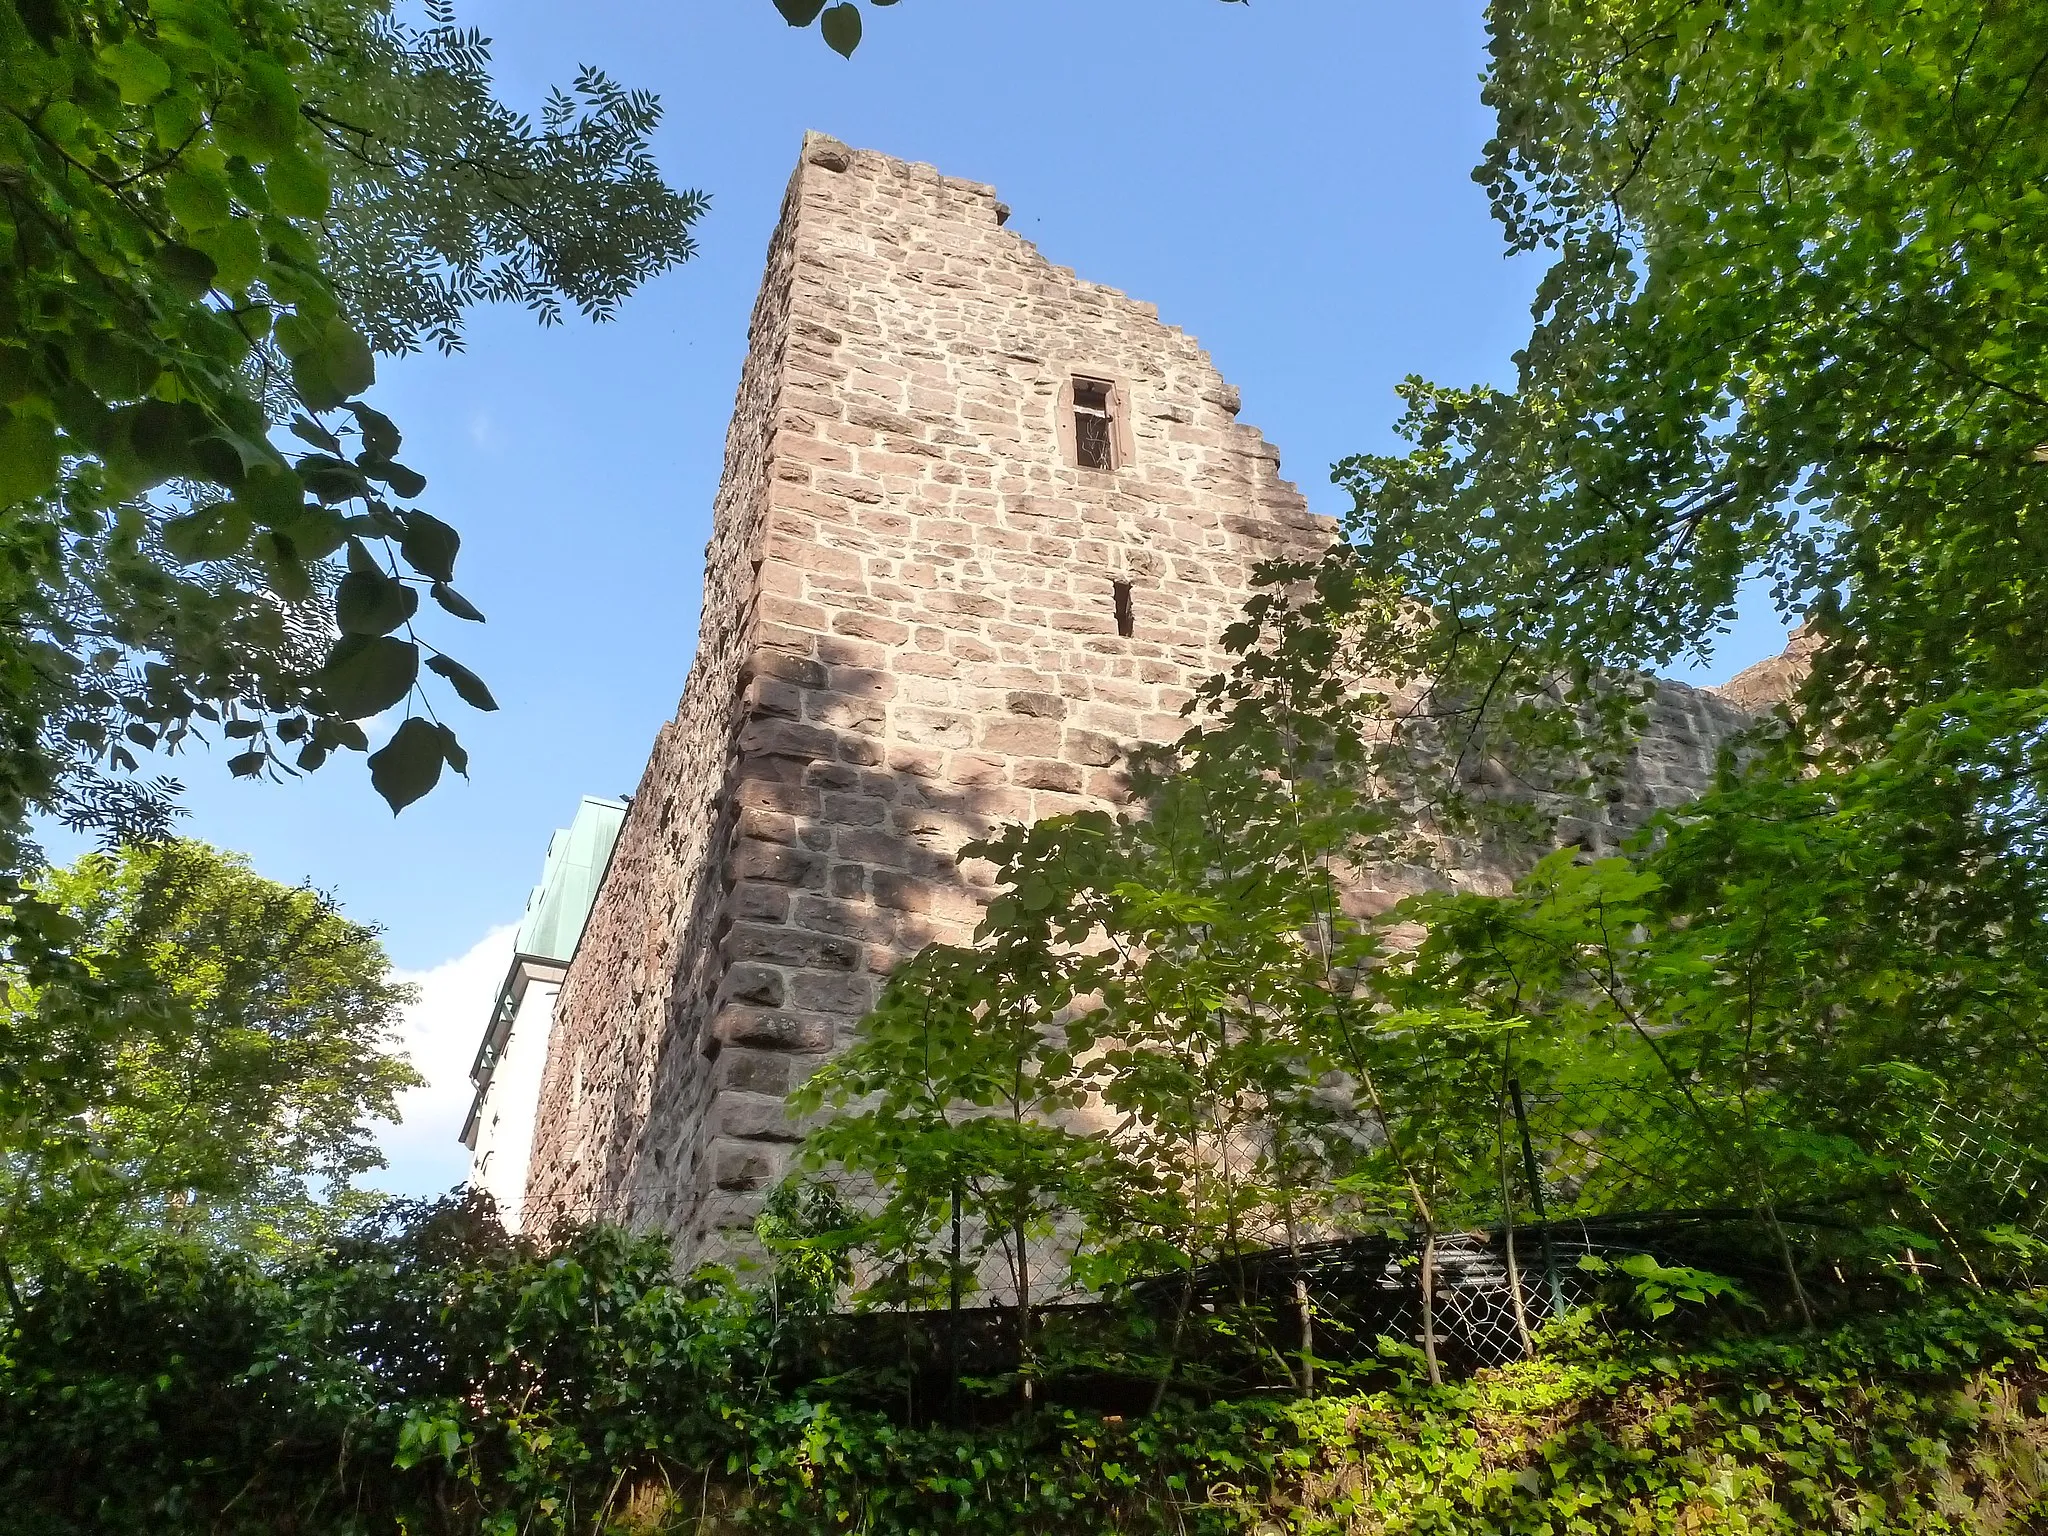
x=307 y=430
x=284 y=566
x=139 y=74
x=409 y=764
x=841 y=26
x=332 y=479
x=467 y=685
x=315 y=532
x=366 y=675
x=247 y=765
x=380 y=433
x=176 y=118
x=117 y=368
x=330 y=363
x=28 y=457
x=188 y=271
x=197 y=197
x=272 y=494
x=403 y=482
x=371 y=603
x=236 y=249
x=261 y=118
x=429 y=546
x=152 y=441
x=455 y=602
x=208 y=533
x=799 y=13
x=454 y=751
x=298 y=185
x=17 y=373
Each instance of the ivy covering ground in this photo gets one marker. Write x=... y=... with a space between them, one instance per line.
x=433 y=1376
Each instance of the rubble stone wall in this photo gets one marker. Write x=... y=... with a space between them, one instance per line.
x=646 y=939
x=910 y=635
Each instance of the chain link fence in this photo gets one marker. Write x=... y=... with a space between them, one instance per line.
x=1593 y=1175
x=1583 y=1177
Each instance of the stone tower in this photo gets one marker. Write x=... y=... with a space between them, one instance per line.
x=980 y=529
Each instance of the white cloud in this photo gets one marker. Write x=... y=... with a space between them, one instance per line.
x=441 y=1033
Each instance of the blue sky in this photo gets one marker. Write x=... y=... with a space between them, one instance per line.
x=1289 y=180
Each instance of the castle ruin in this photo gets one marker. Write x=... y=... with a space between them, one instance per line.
x=981 y=527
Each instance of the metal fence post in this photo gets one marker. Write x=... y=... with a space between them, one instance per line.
x=1535 y=1177
x=953 y=1307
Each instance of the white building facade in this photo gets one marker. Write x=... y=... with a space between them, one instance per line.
x=507 y=1071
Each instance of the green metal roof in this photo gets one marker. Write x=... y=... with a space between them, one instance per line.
x=577 y=855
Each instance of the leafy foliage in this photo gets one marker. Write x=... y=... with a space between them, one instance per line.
x=445 y=197
x=425 y=1370
x=1188 y=1033
x=1793 y=318
x=211 y=216
x=226 y=1099
x=426 y=1373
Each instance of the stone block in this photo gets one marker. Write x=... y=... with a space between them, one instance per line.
x=754 y=1071
x=901 y=892
x=1020 y=738
x=767 y=795
x=775 y=863
x=739 y=1166
x=973 y=769
x=752 y=900
x=833 y=994
x=786 y=946
x=757 y=1117
x=868 y=626
x=787 y=738
x=1090 y=749
x=768 y=826
x=773 y=1029
x=757 y=985
x=1046 y=773
x=1043 y=706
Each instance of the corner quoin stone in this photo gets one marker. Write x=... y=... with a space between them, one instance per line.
x=909 y=636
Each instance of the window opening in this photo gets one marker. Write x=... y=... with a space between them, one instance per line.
x=1126 y=621
x=1094 y=431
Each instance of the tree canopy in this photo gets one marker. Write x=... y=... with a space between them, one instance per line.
x=212 y=216
x=229 y=1099
x=1795 y=319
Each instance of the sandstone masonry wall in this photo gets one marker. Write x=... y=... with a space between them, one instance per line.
x=910 y=634
x=662 y=892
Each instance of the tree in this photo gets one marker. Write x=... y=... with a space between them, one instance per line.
x=1164 y=1040
x=230 y=1100
x=1794 y=320
x=211 y=213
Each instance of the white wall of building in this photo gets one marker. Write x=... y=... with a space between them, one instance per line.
x=514 y=1051
x=504 y=1117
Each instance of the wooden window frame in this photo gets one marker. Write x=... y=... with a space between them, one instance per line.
x=1122 y=444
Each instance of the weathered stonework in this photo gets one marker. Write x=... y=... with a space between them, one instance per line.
x=911 y=633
